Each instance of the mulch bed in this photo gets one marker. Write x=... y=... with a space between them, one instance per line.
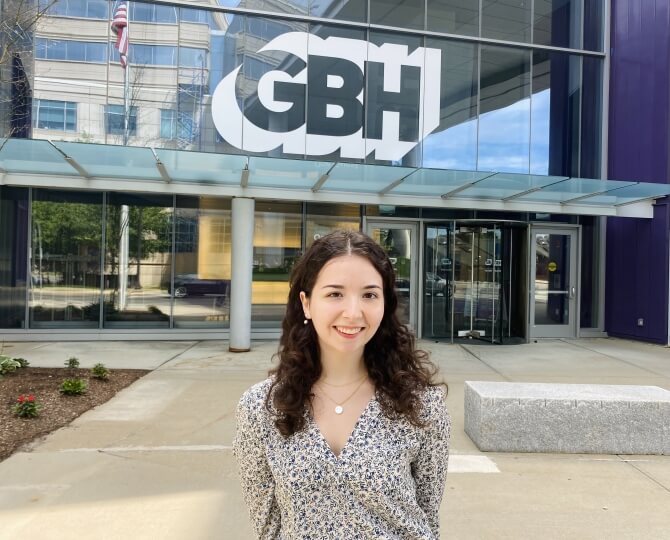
x=58 y=410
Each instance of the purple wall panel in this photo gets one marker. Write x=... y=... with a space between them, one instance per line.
x=639 y=138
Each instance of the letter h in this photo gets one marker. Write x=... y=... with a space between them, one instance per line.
x=407 y=102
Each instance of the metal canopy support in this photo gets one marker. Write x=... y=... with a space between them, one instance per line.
x=396 y=183
x=72 y=162
x=465 y=186
x=319 y=183
x=533 y=190
x=165 y=175
x=568 y=201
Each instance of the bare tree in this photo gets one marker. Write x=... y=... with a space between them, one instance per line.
x=18 y=20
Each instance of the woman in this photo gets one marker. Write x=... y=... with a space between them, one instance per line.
x=349 y=436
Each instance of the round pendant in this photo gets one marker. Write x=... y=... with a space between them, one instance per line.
x=339 y=409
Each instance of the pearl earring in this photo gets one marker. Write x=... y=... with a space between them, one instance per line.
x=305 y=321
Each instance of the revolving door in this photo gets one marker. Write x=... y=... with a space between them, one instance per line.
x=474 y=282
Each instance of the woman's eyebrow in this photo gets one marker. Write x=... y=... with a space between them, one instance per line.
x=342 y=287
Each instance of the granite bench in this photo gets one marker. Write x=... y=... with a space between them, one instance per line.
x=567 y=418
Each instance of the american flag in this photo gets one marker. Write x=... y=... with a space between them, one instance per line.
x=120 y=28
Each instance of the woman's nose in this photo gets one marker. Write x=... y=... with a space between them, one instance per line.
x=352 y=307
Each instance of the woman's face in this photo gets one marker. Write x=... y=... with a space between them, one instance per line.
x=346 y=305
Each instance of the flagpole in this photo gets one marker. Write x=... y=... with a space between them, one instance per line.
x=124 y=225
x=126 y=87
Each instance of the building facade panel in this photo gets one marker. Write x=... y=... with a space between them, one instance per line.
x=639 y=138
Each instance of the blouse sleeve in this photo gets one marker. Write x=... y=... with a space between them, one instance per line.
x=430 y=467
x=258 y=485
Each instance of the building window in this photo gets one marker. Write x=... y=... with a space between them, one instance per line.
x=89 y=9
x=192 y=57
x=177 y=125
x=73 y=51
x=152 y=13
x=60 y=115
x=194 y=16
x=114 y=120
x=148 y=55
x=266 y=29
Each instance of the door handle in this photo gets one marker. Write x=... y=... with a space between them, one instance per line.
x=572 y=292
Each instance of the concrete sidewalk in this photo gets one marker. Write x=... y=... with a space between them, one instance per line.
x=155 y=461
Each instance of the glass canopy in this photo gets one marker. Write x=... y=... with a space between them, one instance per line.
x=354 y=182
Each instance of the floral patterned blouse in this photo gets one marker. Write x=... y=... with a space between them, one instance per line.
x=387 y=482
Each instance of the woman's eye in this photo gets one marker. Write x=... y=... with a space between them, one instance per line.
x=371 y=295
x=334 y=294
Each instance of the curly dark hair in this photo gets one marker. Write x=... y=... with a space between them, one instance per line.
x=398 y=370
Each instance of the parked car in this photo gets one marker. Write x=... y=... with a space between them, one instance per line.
x=192 y=285
x=434 y=285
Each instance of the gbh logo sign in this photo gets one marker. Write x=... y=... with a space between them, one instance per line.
x=317 y=103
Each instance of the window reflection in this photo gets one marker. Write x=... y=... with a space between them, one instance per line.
x=66 y=237
x=298 y=7
x=558 y=23
x=594 y=22
x=453 y=145
x=506 y=19
x=137 y=261
x=344 y=10
x=322 y=219
x=13 y=256
x=402 y=13
x=277 y=245
x=555 y=113
x=453 y=16
x=591 y=117
x=202 y=263
x=504 y=121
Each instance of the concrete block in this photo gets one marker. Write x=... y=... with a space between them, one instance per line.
x=567 y=418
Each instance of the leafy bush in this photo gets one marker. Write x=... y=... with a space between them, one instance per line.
x=99 y=371
x=72 y=363
x=24 y=363
x=27 y=406
x=73 y=387
x=8 y=365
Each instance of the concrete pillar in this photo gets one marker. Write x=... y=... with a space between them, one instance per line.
x=242 y=266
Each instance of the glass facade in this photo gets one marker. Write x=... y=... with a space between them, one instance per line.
x=14 y=227
x=443 y=96
x=294 y=96
x=277 y=245
x=65 y=263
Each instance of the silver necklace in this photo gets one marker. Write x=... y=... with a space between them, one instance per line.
x=339 y=409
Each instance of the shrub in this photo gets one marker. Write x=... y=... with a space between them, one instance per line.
x=24 y=363
x=72 y=363
x=27 y=407
x=99 y=371
x=8 y=365
x=73 y=387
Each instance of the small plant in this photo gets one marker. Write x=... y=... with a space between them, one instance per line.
x=27 y=407
x=73 y=387
x=99 y=371
x=8 y=365
x=24 y=363
x=72 y=363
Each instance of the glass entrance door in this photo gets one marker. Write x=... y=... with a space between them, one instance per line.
x=399 y=242
x=476 y=282
x=463 y=278
x=553 y=294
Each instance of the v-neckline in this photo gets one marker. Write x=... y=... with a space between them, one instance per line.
x=331 y=452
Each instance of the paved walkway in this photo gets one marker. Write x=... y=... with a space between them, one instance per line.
x=155 y=461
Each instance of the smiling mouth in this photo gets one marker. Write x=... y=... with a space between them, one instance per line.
x=348 y=331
